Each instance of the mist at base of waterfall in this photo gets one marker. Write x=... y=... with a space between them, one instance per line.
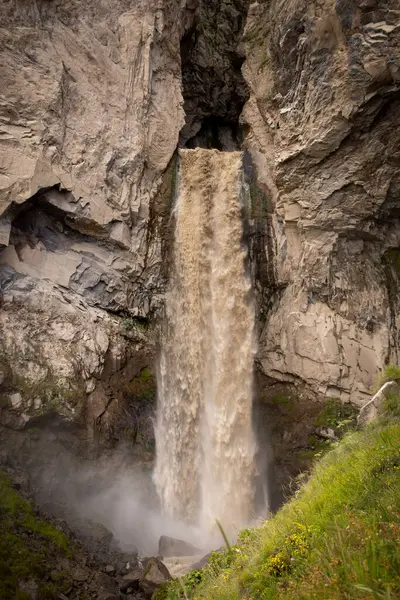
x=112 y=489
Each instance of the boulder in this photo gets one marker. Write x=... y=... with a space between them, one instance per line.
x=131 y=579
x=80 y=574
x=154 y=575
x=103 y=583
x=109 y=569
x=169 y=546
x=94 y=536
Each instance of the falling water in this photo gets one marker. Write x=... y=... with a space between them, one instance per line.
x=204 y=438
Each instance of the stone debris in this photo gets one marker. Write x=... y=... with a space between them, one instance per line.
x=154 y=575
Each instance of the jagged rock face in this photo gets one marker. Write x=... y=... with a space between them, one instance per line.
x=91 y=111
x=323 y=120
x=91 y=100
x=212 y=83
x=90 y=114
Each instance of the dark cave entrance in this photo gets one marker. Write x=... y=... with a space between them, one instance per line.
x=213 y=86
x=218 y=133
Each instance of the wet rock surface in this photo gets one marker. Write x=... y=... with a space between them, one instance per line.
x=168 y=546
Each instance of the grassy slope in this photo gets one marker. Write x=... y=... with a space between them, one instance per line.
x=28 y=547
x=339 y=537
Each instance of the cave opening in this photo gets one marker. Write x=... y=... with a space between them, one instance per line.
x=214 y=89
x=218 y=133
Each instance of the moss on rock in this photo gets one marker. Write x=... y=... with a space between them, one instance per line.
x=27 y=546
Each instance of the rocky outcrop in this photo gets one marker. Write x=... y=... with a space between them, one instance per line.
x=92 y=102
x=154 y=575
x=90 y=114
x=323 y=129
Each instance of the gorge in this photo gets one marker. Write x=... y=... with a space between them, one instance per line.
x=198 y=208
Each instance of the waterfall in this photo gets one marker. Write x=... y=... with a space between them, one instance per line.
x=204 y=438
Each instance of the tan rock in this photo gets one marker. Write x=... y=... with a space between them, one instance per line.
x=323 y=119
x=16 y=400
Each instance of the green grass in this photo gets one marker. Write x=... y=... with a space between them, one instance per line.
x=338 y=538
x=134 y=323
x=142 y=386
x=390 y=373
x=27 y=546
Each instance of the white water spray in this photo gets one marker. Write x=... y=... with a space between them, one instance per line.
x=204 y=438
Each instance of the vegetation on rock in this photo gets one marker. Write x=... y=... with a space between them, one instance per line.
x=140 y=393
x=28 y=547
x=390 y=373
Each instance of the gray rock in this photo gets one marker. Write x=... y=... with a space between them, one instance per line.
x=89 y=243
x=201 y=563
x=16 y=400
x=131 y=579
x=102 y=595
x=79 y=574
x=30 y=587
x=169 y=546
x=109 y=569
x=333 y=230
x=102 y=581
x=94 y=535
x=14 y=420
x=327 y=433
x=154 y=575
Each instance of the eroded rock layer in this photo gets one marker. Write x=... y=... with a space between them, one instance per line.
x=90 y=114
x=323 y=119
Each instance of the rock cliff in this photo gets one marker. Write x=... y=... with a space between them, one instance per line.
x=90 y=114
x=97 y=97
x=323 y=128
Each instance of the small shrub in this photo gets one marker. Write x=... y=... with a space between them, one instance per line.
x=128 y=323
x=137 y=323
x=391 y=406
x=390 y=373
x=336 y=415
x=27 y=545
